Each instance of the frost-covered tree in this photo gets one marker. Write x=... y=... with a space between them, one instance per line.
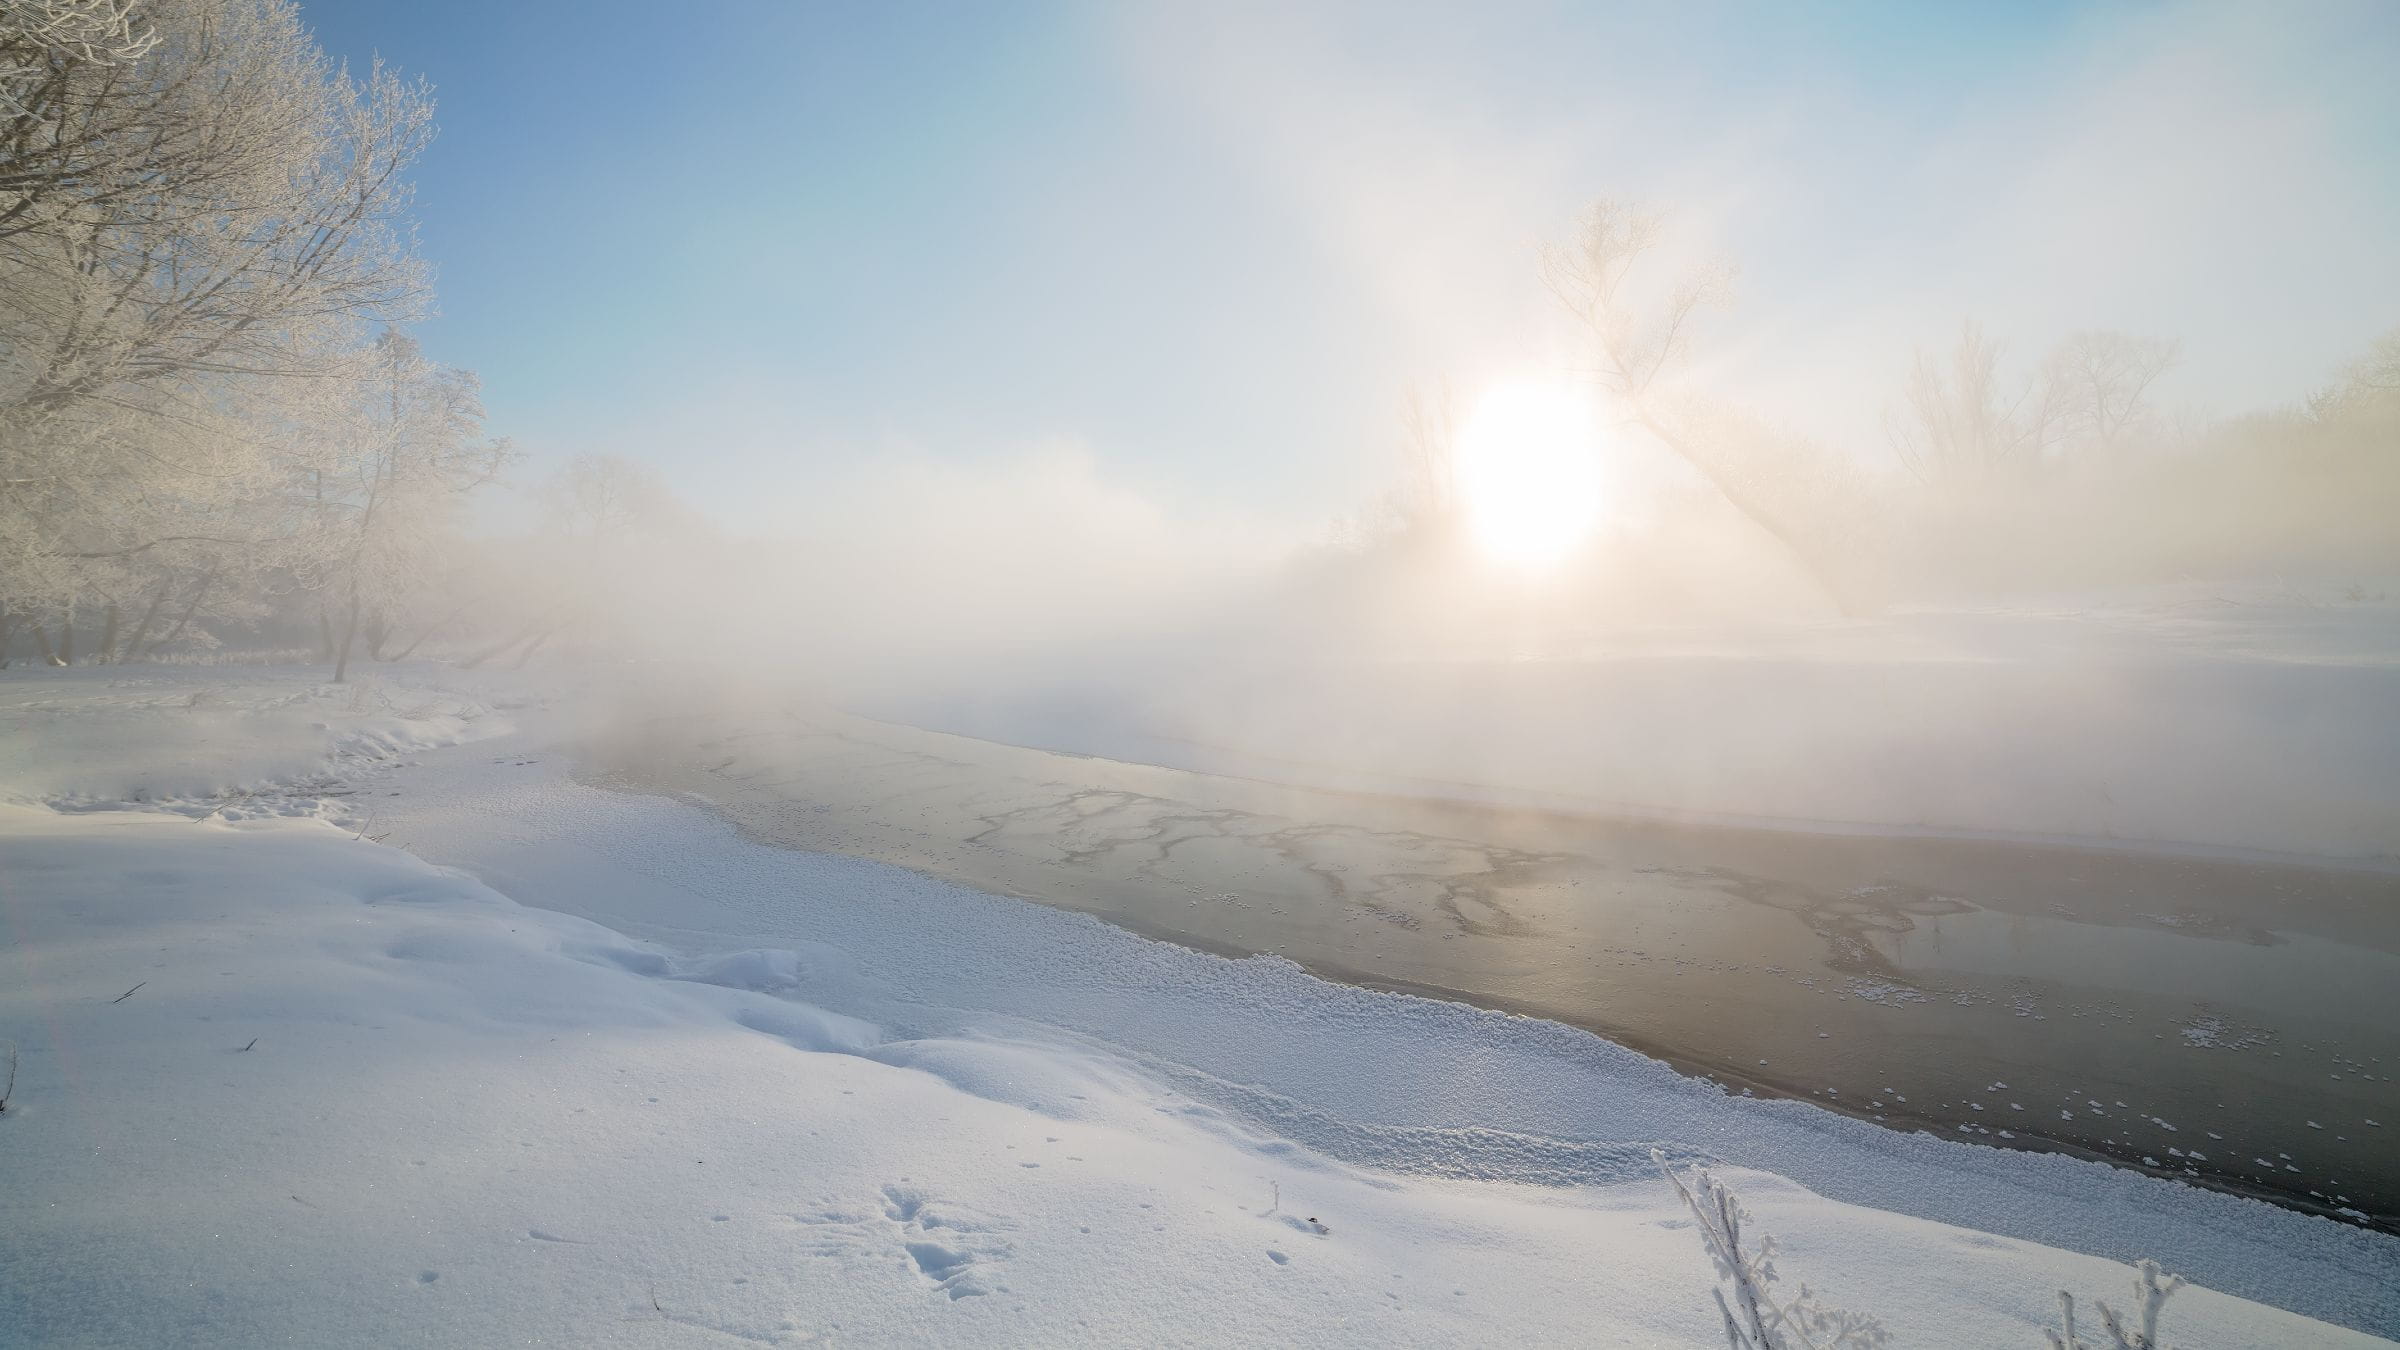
x=2098 y=384
x=618 y=556
x=600 y=499
x=379 y=482
x=2368 y=390
x=1958 y=420
x=42 y=40
x=1641 y=332
x=1961 y=423
x=200 y=218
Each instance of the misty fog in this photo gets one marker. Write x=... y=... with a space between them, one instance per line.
x=1417 y=628
x=2038 y=604
x=2048 y=414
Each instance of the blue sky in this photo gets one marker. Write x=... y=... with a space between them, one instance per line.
x=760 y=243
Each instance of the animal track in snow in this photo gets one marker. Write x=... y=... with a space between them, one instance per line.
x=954 y=1248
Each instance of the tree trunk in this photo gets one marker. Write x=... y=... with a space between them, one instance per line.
x=530 y=648
x=66 y=638
x=1731 y=490
x=141 y=631
x=108 y=637
x=198 y=591
x=341 y=660
x=444 y=622
x=324 y=633
x=379 y=632
x=41 y=639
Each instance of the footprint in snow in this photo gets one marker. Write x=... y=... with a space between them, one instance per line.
x=953 y=1248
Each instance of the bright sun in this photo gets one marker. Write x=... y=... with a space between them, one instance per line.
x=1528 y=472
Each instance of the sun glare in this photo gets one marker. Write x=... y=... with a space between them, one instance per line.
x=1528 y=472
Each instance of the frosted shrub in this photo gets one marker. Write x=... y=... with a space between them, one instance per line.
x=2147 y=1287
x=1754 y=1320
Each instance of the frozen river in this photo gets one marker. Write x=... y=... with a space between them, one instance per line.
x=2232 y=1022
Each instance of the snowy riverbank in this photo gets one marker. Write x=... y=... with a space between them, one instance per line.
x=361 y=1092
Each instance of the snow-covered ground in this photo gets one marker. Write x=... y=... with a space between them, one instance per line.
x=350 y=1016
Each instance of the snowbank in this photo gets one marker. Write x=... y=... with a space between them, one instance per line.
x=354 y=1099
x=218 y=734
